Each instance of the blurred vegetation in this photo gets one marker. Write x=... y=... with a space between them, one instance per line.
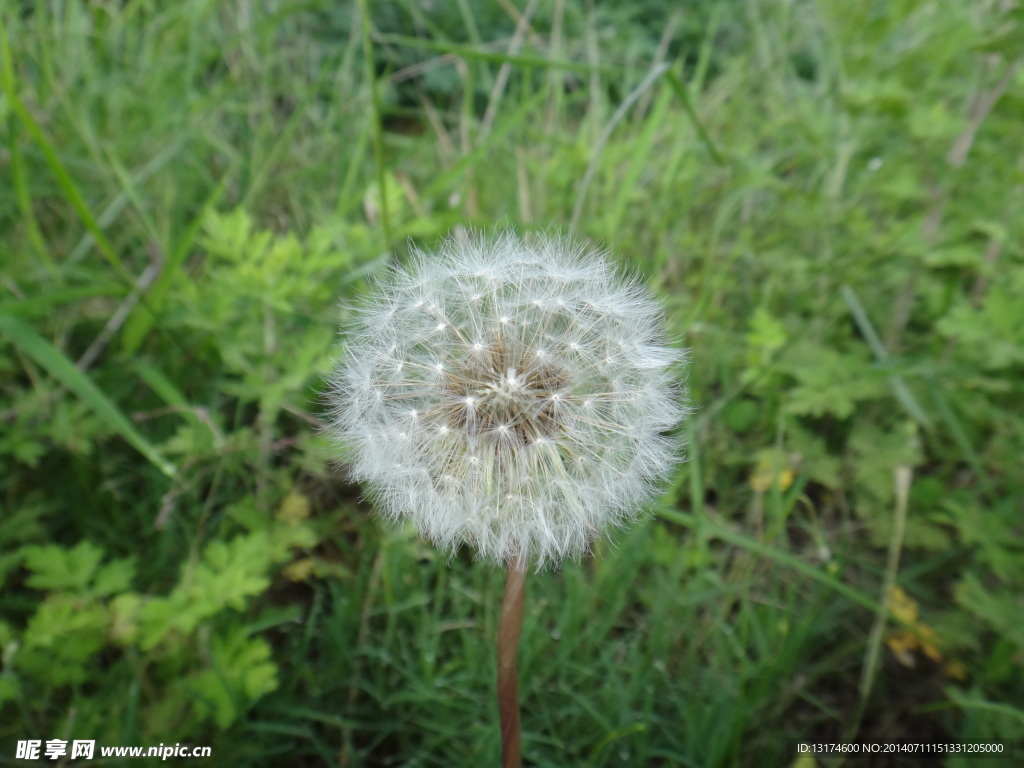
x=829 y=193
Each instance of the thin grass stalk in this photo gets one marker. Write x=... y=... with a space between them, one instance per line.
x=902 y=476
x=376 y=123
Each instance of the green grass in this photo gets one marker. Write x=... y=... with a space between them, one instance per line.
x=827 y=194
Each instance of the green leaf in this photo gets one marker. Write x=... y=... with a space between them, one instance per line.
x=994 y=530
x=815 y=460
x=999 y=609
x=62 y=570
x=766 y=336
x=113 y=578
x=229 y=574
x=242 y=671
x=829 y=382
x=741 y=415
x=992 y=334
x=61 y=638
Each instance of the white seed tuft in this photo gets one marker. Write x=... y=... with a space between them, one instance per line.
x=525 y=439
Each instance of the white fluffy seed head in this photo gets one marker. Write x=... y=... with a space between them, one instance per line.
x=511 y=395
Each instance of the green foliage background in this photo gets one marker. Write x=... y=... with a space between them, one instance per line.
x=829 y=194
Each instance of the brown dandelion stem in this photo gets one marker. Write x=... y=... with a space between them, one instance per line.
x=509 y=630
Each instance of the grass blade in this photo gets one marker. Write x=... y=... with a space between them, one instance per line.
x=652 y=76
x=143 y=316
x=377 y=126
x=684 y=96
x=63 y=370
x=470 y=159
x=712 y=528
x=471 y=53
x=64 y=180
x=899 y=387
x=46 y=303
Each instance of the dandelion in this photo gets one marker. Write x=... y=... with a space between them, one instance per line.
x=508 y=395
x=513 y=396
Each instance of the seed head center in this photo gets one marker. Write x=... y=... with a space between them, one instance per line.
x=506 y=386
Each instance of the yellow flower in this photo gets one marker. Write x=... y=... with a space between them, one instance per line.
x=919 y=637
x=767 y=472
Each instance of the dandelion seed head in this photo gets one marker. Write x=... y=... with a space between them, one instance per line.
x=516 y=431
